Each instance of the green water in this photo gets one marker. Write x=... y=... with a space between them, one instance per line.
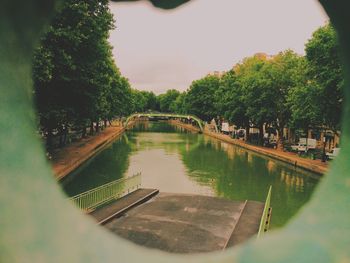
x=173 y=160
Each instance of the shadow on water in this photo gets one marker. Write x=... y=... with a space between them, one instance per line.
x=173 y=160
x=107 y=166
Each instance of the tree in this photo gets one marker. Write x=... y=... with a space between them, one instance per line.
x=152 y=103
x=167 y=100
x=305 y=109
x=120 y=98
x=179 y=106
x=139 y=101
x=229 y=100
x=285 y=71
x=75 y=77
x=200 y=97
x=257 y=94
x=322 y=53
x=258 y=91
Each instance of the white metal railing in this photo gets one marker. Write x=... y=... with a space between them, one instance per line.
x=90 y=200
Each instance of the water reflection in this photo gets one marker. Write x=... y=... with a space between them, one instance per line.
x=111 y=164
x=174 y=160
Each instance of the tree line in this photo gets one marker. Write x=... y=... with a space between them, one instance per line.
x=285 y=90
x=77 y=84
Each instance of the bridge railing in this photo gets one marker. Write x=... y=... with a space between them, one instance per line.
x=170 y=115
x=90 y=200
x=266 y=216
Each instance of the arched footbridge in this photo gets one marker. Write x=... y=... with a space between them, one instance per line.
x=165 y=115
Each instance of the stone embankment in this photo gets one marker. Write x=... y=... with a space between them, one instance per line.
x=69 y=158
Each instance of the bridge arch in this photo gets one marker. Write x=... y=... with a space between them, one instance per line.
x=165 y=115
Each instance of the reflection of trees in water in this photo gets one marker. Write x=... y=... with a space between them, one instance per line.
x=237 y=174
x=154 y=126
x=271 y=166
x=293 y=181
x=107 y=166
x=169 y=142
x=228 y=148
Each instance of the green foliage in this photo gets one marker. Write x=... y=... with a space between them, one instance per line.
x=75 y=78
x=284 y=90
x=179 y=105
x=143 y=101
x=152 y=103
x=200 y=97
x=325 y=71
x=120 y=98
x=304 y=105
x=167 y=101
x=258 y=96
x=285 y=72
x=229 y=100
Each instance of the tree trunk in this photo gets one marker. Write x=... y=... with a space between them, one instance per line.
x=307 y=139
x=97 y=127
x=247 y=128
x=83 y=132
x=92 y=128
x=105 y=121
x=65 y=134
x=261 y=134
x=280 y=143
x=60 y=131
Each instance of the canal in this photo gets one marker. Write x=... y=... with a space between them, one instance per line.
x=174 y=160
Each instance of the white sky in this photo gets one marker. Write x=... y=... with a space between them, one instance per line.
x=159 y=50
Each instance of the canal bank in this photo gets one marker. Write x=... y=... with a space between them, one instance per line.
x=175 y=160
x=66 y=160
x=315 y=166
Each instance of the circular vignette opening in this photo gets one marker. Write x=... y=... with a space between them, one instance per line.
x=38 y=225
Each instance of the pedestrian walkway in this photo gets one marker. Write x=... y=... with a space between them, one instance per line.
x=67 y=159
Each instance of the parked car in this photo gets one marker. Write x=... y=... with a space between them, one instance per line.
x=305 y=145
x=332 y=154
x=270 y=140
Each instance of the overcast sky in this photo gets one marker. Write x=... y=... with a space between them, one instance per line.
x=160 y=50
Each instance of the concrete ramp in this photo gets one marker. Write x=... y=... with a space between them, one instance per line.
x=180 y=223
